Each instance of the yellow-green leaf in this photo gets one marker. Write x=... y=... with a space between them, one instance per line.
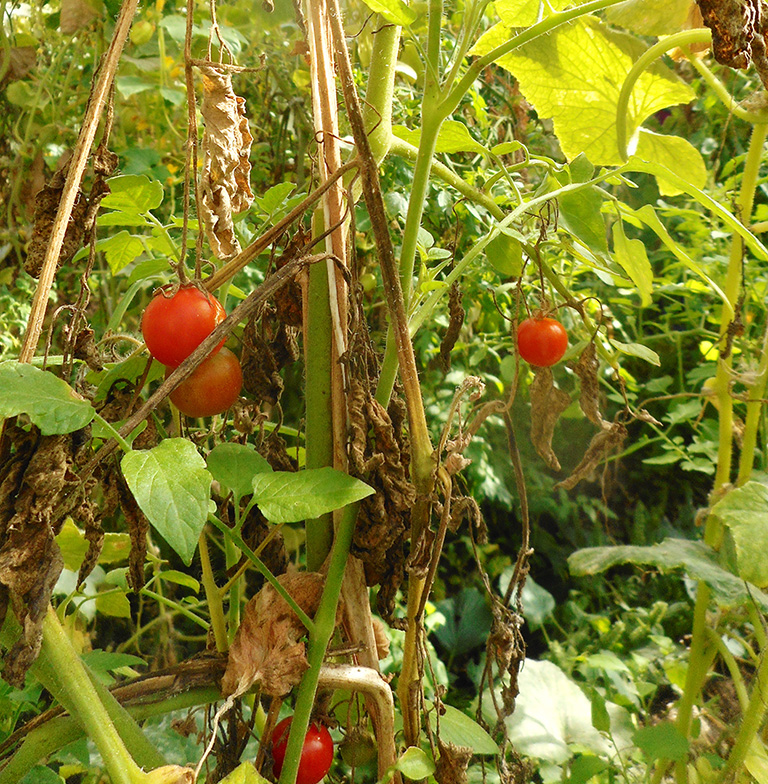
x=632 y=258
x=677 y=154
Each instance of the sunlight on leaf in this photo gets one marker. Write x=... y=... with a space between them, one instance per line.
x=523 y=13
x=394 y=11
x=133 y=193
x=453 y=137
x=675 y=153
x=631 y=256
x=234 y=465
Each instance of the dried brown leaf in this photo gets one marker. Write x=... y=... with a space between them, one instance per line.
x=609 y=439
x=547 y=403
x=225 y=186
x=268 y=649
x=456 y=314
x=589 y=399
x=452 y=763
x=75 y=15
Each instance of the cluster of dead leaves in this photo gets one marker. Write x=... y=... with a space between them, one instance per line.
x=548 y=403
x=225 y=185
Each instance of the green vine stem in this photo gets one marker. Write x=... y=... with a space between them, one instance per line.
x=213 y=596
x=78 y=695
x=320 y=635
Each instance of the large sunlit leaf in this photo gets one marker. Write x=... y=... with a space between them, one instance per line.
x=574 y=75
x=172 y=487
x=744 y=512
x=288 y=497
x=244 y=773
x=121 y=249
x=49 y=402
x=457 y=728
x=696 y=559
x=133 y=193
x=650 y=17
x=524 y=13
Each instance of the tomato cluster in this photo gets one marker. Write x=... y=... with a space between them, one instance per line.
x=316 y=753
x=174 y=324
x=541 y=341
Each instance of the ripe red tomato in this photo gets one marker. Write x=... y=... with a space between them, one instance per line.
x=541 y=341
x=212 y=388
x=316 y=753
x=174 y=326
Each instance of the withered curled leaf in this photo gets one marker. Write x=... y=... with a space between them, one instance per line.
x=609 y=439
x=227 y=141
x=268 y=649
x=586 y=369
x=547 y=403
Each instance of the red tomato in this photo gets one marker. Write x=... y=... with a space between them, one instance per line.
x=174 y=326
x=212 y=388
x=541 y=341
x=316 y=753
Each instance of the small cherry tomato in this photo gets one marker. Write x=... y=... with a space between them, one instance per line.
x=174 y=325
x=541 y=341
x=316 y=753
x=212 y=388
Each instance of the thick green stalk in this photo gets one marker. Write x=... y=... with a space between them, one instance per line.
x=752 y=420
x=77 y=694
x=215 y=606
x=323 y=629
x=380 y=89
x=318 y=353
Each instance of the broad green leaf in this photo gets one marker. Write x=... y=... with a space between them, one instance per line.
x=113 y=603
x=756 y=761
x=574 y=75
x=121 y=249
x=40 y=774
x=696 y=559
x=171 y=486
x=650 y=17
x=637 y=350
x=453 y=137
x=175 y=96
x=274 y=197
x=632 y=258
x=580 y=214
x=244 y=773
x=584 y=767
x=73 y=545
x=234 y=465
x=133 y=193
x=505 y=254
x=132 y=85
x=744 y=512
x=394 y=11
x=288 y=497
x=459 y=729
x=468 y=620
x=662 y=741
x=551 y=714
x=601 y=719
x=122 y=219
x=49 y=402
x=524 y=13
x=415 y=764
x=676 y=154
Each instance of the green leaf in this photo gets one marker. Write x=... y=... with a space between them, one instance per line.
x=632 y=258
x=524 y=13
x=584 y=767
x=234 y=465
x=172 y=487
x=662 y=741
x=601 y=719
x=459 y=729
x=538 y=602
x=244 y=773
x=114 y=604
x=109 y=661
x=394 y=11
x=676 y=154
x=274 y=197
x=744 y=512
x=49 y=402
x=121 y=249
x=39 y=774
x=180 y=578
x=133 y=193
x=73 y=545
x=650 y=17
x=453 y=137
x=415 y=764
x=505 y=254
x=132 y=85
x=122 y=219
x=637 y=350
x=288 y=497
x=696 y=559
x=580 y=214
x=468 y=620
x=574 y=75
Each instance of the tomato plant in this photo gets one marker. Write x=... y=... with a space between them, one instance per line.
x=541 y=341
x=212 y=388
x=176 y=322
x=316 y=753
